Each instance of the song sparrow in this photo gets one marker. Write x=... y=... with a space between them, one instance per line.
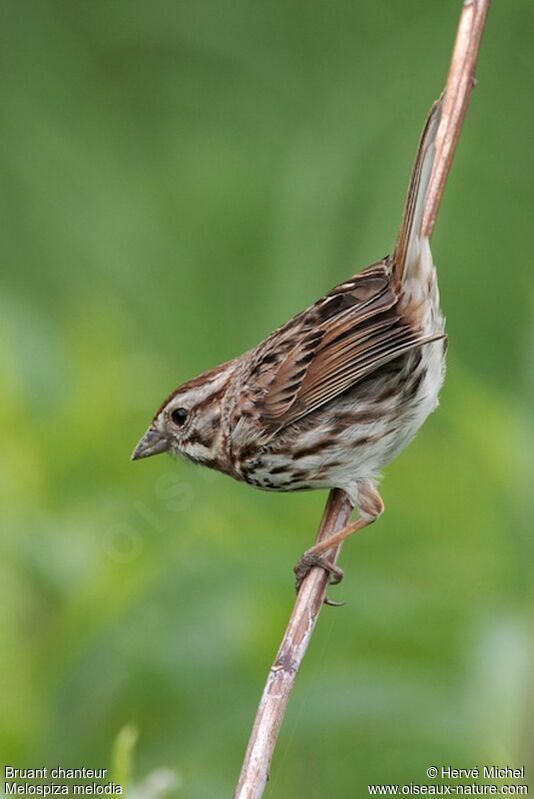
x=333 y=395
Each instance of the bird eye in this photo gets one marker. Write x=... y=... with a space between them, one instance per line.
x=179 y=416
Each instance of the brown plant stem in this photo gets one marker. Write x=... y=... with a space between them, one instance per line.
x=283 y=672
x=460 y=83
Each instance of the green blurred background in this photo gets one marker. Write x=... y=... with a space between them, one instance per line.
x=178 y=178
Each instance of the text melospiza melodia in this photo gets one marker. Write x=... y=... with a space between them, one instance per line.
x=332 y=396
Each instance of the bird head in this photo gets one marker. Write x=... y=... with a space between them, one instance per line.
x=188 y=422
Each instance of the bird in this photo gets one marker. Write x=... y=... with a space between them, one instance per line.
x=332 y=396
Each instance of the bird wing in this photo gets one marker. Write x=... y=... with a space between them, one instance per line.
x=324 y=351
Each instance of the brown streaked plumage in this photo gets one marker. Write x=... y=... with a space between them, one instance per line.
x=328 y=399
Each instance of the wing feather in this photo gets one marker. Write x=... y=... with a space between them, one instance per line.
x=333 y=345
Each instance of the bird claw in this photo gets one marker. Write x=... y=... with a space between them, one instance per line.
x=332 y=604
x=309 y=561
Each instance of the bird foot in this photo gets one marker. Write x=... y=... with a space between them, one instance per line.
x=309 y=561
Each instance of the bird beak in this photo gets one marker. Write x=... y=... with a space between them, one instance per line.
x=152 y=443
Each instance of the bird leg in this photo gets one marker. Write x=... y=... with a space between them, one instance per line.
x=315 y=557
x=370 y=505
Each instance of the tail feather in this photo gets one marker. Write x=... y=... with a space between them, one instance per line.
x=408 y=247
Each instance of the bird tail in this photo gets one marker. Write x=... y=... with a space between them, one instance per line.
x=411 y=241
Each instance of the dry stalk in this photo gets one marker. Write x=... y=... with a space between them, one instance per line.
x=283 y=673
